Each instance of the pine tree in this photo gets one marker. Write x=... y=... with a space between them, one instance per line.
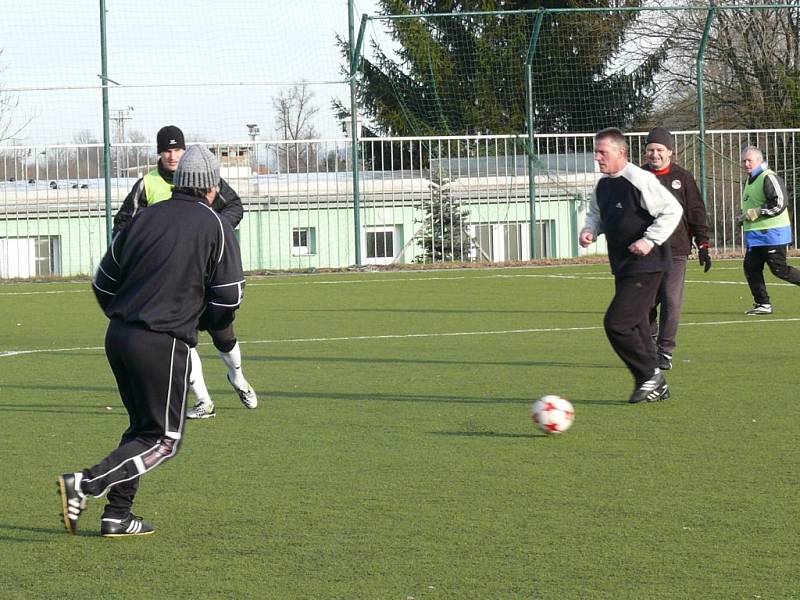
x=465 y=75
x=445 y=236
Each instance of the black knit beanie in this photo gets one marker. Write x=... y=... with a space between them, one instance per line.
x=169 y=137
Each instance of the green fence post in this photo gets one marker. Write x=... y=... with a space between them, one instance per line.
x=106 y=127
x=355 y=53
x=529 y=118
x=701 y=118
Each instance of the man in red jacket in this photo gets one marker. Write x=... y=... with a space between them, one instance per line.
x=664 y=322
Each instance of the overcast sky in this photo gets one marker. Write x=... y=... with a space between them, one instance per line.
x=207 y=66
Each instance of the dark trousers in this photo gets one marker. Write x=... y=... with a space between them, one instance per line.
x=627 y=323
x=152 y=373
x=775 y=258
x=224 y=339
x=666 y=314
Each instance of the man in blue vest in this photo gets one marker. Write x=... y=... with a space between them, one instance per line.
x=767 y=229
x=155 y=187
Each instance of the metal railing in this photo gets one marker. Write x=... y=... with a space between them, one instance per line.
x=423 y=199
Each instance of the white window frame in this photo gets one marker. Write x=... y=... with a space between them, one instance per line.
x=500 y=231
x=309 y=249
x=397 y=244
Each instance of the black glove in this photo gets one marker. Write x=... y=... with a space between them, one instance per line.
x=704 y=257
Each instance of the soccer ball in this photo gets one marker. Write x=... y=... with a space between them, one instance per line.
x=553 y=414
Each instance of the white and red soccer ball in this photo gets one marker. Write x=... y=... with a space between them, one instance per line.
x=553 y=414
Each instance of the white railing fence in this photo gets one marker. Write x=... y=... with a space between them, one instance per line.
x=426 y=200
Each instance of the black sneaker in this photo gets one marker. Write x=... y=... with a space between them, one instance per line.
x=132 y=525
x=664 y=361
x=652 y=390
x=73 y=501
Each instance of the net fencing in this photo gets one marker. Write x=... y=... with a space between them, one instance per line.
x=475 y=128
x=554 y=76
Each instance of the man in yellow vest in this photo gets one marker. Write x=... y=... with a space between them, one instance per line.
x=154 y=187
x=767 y=229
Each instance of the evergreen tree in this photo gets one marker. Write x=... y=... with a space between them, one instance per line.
x=466 y=75
x=445 y=235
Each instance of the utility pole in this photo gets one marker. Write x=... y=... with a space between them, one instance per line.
x=123 y=114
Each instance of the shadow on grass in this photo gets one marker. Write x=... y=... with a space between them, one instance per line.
x=444 y=311
x=64 y=388
x=496 y=434
x=389 y=397
x=417 y=398
x=63 y=410
x=49 y=531
x=436 y=361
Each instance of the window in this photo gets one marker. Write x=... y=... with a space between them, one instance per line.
x=382 y=244
x=30 y=257
x=304 y=241
x=499 y=242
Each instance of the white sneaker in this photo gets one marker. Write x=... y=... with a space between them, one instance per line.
x=247 y=394
x=204 y=409
x=760 y=309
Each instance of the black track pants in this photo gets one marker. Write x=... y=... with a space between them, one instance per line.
x=627 y=323
x=152 y=373
x=775 y=258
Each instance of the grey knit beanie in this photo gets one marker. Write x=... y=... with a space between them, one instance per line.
x=198 y=169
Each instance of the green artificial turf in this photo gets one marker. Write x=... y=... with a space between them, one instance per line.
x=392 y=455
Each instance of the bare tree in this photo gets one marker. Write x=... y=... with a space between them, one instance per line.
x=294 y=112
x=139 y=158
x=86 y=161
x=84 y=136
x=751 y=69
x=8 y=103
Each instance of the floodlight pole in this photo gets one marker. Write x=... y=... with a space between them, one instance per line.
x=106 y=120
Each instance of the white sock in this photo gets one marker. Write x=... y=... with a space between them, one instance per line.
x=233 y=360
x=197 y=381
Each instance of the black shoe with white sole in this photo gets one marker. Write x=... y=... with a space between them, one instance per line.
x=130 y=526
x=664 y=361
x=652 y=390
x=73 y=500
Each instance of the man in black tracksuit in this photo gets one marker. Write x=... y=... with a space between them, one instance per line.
x=156 y=186
x=175 y=263
x=693 y=224
x=637 y=215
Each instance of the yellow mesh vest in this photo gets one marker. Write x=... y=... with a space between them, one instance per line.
x=753 y=197
x=156 y=188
